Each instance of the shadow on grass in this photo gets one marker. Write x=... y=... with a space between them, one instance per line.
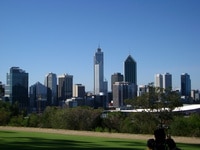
x=14 y=142
x=188 y=146
x=10 y=140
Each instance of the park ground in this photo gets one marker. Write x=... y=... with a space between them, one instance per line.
x=178 y=139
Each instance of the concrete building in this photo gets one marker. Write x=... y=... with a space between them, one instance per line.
x=142 y=89
x=78 y=90
x=116 y=77
x=158 y=81
x=122 y=91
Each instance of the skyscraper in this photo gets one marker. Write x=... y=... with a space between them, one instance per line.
x=51 y=84
x=130 y=71
x=17 y=83
x=65 y=86
x=167 y=81
x=185 y=85
x=158 y=81
x=98 y=72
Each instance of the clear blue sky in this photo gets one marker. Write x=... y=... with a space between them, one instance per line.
x=61 y=36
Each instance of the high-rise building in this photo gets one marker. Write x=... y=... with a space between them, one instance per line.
x=158 y=81
x=130 y=71
x=17 y=87
x=122 y=91
x=79 y=90
x=185 y=85
x=98 y=72
x=51 y=85
x=38 y=97
x=65 y=87
x=167 y=81
x=116 y=77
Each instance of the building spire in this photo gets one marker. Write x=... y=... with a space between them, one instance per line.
x=99 y=48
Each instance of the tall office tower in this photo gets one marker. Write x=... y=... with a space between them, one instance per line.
x=158 y=81
x=122 y=91
x=51 y=83
x=98 y=72
x=116 y=77
x=130 y=71
x=167 y=81
x=185 y=85
x=38 y=97
x=17 y=83
x=65 y=87
x=79 y=90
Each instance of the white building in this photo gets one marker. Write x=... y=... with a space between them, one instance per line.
x=158 y=80
x=99 y=84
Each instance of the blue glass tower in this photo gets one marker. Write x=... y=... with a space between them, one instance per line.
x=17 y=81
x=185 y=85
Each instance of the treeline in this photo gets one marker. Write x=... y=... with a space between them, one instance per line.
x=86 y=118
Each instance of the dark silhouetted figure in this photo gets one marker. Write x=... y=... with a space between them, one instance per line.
x=161 y=142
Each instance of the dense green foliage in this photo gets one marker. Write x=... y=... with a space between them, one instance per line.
x=86 y=118
x=46 y=141
x=80 y=118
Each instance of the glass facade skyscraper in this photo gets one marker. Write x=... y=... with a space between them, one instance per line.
x=51 y=84
x=65 y=87
x=38 y=97
x=98 y=72
x=185 y=85
x=130 y=70
x=17 y=83
x=167 y=81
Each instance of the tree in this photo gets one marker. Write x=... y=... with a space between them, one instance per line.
x=159 y=101
x=5 y=112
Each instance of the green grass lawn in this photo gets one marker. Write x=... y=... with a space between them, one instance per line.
x=17 y=140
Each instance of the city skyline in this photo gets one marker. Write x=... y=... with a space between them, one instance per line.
x=62 y=37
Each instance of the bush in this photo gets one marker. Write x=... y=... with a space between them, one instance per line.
x=19 y=121
x=186 y=126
